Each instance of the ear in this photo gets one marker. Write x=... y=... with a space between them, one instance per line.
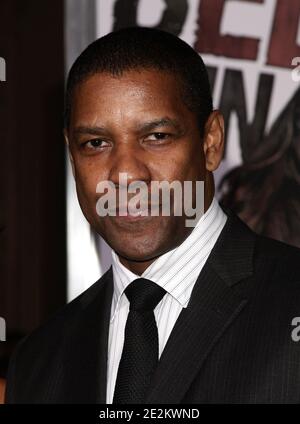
x=66 y=137
x=214 y=140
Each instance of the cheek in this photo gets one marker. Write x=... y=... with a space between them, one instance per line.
x=87 y=177
x=197 y=166
x=187 y=163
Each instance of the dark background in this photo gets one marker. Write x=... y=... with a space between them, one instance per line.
x=32 y=167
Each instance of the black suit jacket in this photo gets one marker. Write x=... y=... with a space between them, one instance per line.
x=232 y=344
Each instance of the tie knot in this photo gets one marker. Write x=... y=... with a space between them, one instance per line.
x=143 y=294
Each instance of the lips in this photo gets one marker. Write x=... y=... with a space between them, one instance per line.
x=139 y=213
x=135 y=214
x=137 y=210
x=129 y=218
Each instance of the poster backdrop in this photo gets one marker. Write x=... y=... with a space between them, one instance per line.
x=252 y=51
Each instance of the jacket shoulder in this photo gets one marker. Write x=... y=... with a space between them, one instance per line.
x=45 y=344
x=69 y=312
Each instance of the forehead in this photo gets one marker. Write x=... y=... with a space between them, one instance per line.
x=150 y=79
x=133 y=94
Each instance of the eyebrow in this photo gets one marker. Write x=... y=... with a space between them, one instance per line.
x=163 y=122
x=83 y=129
x=146 y=126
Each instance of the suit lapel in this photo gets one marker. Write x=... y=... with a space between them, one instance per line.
x=86 y=344
x=215 y=303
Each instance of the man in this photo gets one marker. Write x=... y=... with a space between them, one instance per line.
x=185 y=315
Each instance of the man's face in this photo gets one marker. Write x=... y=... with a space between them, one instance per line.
x=136 y=124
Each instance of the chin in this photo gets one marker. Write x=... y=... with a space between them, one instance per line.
x=138 y=252
x=140 y=241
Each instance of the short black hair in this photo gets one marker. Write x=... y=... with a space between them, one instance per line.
x=145 y=48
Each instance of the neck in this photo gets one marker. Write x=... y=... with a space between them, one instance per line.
x=136 y=267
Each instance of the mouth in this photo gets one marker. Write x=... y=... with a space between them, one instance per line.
x=146 y=213
x=132 y=217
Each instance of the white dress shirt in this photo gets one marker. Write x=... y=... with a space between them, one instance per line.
x=176 y=271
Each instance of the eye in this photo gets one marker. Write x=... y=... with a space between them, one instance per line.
x=158 y=136
x=96 y=144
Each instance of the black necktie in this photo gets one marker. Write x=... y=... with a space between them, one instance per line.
x=140 y=351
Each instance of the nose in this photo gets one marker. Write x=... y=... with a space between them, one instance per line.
x=130 y=160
